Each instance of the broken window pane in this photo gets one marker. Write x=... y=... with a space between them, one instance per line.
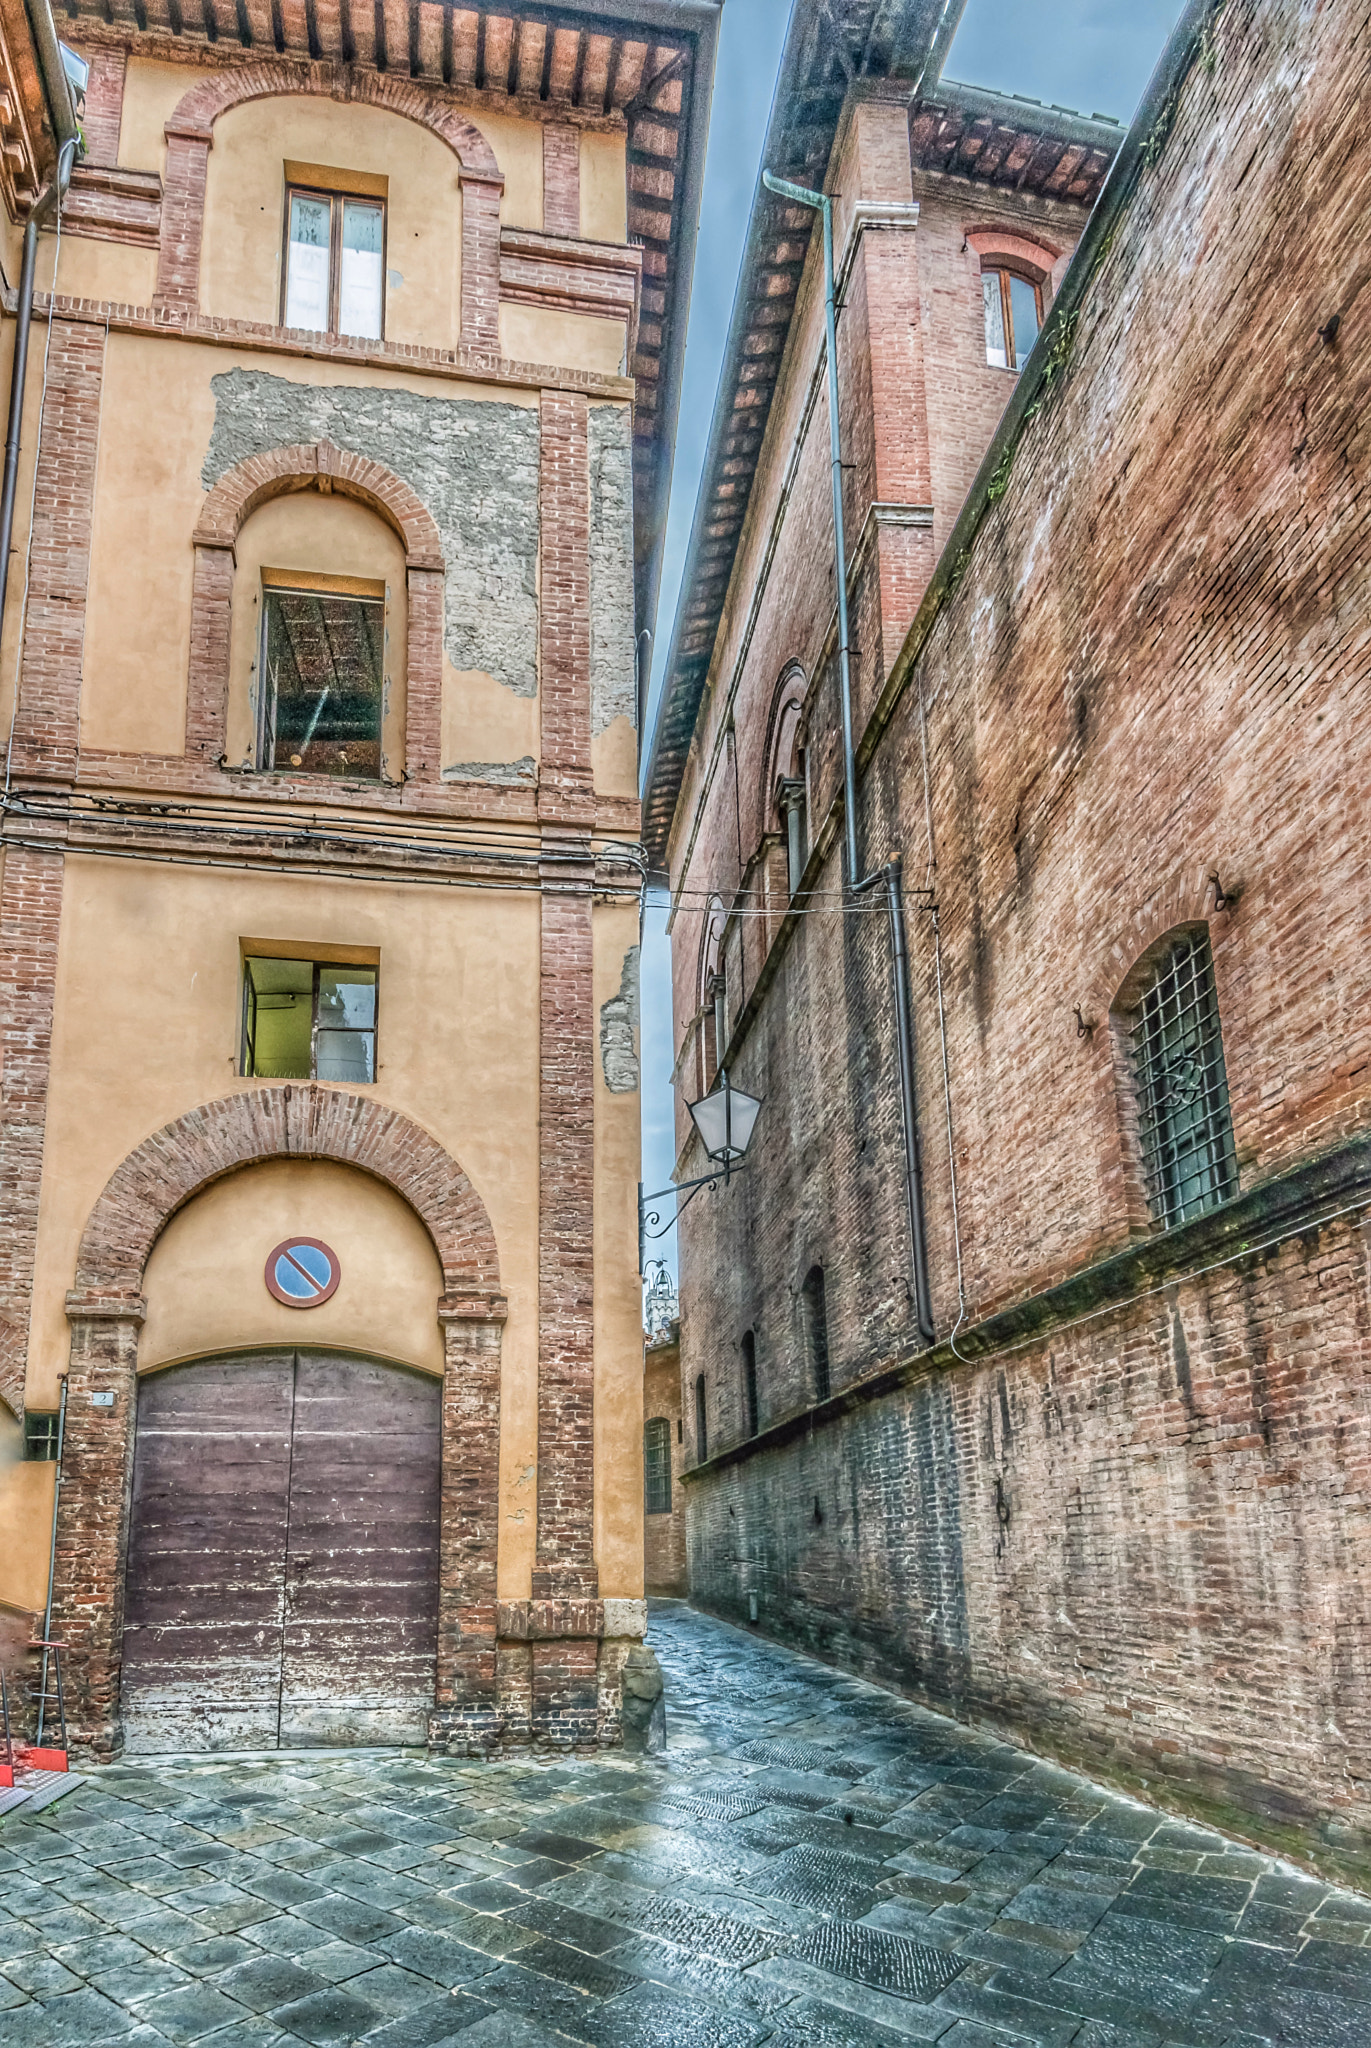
x=307 y=263
x=322 y=678
x=995 y=351
x=360 y=280
x=345 y=1042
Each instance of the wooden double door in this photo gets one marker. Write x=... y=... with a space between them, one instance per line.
x=282 y=1581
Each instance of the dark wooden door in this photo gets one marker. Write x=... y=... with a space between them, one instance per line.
x=283 y=1555
x=207 y=1552
x=361 y=1609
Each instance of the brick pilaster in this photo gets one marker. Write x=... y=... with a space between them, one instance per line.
x=211 y=624
x=47 y=729
x=565 y=1567
x=481 y=260
x=92 y=1527
x=183 y=217
x=424 y=668
x=561 y=179
x=30 y=918
x=465 y=1718
x=104 y=105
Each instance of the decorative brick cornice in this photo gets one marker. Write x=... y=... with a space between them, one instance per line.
x=300 y=1120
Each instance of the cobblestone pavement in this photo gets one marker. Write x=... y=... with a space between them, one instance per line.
x=815 y=1864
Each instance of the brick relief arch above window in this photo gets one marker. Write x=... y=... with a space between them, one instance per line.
x=997 y=247
x=235 y=497
x=190 y=137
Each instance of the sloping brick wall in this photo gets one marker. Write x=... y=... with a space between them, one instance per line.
x=1126 y=1528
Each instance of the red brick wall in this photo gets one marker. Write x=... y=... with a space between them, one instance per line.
x=664 y=1536
x=1126 y=1533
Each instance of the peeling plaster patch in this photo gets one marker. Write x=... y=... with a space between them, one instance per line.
x=523 y=771
x=473 y=462
x=619 y=1031
x=613 y=691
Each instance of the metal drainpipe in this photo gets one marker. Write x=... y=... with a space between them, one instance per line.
x=38 y=213
x=889 y=875
x=52 y=1564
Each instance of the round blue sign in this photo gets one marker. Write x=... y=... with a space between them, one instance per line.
x=302 y=1272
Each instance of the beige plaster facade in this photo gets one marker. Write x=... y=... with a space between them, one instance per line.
x=470 y=473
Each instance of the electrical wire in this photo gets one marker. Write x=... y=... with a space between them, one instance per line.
x=942 y=1022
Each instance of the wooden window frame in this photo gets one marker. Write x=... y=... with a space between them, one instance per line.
x=336 y=197
x=1004 y=271
x=658 y=1503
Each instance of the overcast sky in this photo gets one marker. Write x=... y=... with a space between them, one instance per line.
x=1093 y=55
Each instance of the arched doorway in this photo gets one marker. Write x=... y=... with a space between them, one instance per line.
x=282 y=1573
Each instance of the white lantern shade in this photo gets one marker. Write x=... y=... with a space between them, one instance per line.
x=725 y=1119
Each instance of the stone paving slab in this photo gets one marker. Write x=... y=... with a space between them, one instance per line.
x=813 y=1864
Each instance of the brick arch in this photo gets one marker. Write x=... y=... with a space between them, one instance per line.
x=287 y=1121
x=792 y=688
x=106 y=1309
x=238 y=494
x=253 y=482
x=190 y=137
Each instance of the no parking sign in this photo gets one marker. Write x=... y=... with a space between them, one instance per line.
x=302 y=1272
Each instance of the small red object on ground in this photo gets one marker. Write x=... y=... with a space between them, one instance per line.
x=45 y=1759
x=6 y=1777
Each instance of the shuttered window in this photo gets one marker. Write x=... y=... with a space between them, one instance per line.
x=1184 y=1124
x=657 y=1466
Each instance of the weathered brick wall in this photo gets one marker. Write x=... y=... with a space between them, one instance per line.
x=1133 y=1539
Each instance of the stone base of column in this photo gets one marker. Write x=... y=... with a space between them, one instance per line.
x=558 y=1665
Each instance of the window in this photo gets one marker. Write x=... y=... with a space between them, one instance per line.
x=750 y=1412
x=308 y=1020
x=322 y=675
x=814 y=1320
x=1013 y=315
x=1176 y=1048
x=40 y=1434
x=657 y=1466
x=335 y=263
x=701 y=1422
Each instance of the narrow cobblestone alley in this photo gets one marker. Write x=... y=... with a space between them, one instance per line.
x=814 y=1864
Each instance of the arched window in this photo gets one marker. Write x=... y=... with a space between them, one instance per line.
x=1013 y=315
x=787 y=787
x=657 y=1466
x=713 y=994
x=751 y=1418
x=814 y=1322
x=1169 y=1016
x=701 y=1422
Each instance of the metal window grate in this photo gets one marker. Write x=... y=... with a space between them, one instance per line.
x=657 y=1466
x=1183 y=1115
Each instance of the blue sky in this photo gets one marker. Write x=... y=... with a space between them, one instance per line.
x=1093 y=55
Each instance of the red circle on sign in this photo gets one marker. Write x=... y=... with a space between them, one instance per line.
x=302 y=1272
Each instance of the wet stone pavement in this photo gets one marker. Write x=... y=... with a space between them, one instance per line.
x=814 y=1864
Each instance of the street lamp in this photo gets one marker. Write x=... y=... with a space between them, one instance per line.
x=725 y=1120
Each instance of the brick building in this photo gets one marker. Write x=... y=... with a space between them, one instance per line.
x=664 y=1509
x=346 y=434
x=1112 y=623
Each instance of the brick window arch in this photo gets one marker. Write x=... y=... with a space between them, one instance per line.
x=785 y=790
x=238 y=493
x=712 y=1003
x=1017 y=274
x=190 y=137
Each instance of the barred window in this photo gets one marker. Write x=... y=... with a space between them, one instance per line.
x=701 y=1422
x=657 y=1466
x=1184 y=1122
